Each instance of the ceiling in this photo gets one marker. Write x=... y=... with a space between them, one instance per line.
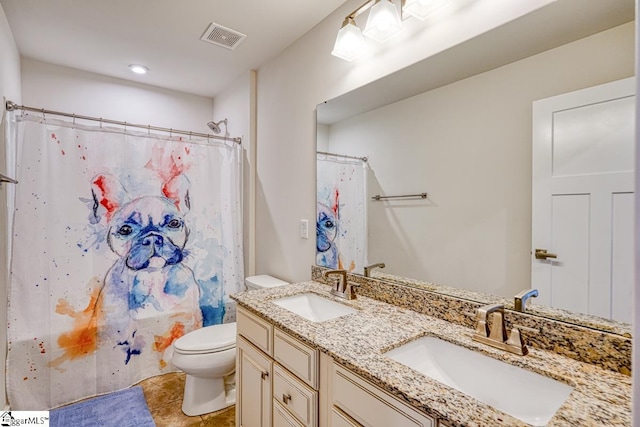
x=105 y=36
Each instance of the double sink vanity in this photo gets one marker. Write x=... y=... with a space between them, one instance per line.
x=307 y=357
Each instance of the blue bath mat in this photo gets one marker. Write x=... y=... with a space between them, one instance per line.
x=119 y=409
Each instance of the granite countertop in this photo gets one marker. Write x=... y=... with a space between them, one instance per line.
x=595 y=322
x=358 y=341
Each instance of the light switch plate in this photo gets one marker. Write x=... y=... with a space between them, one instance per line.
x=304 y=229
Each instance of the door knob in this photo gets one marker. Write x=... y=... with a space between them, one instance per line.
x=543 y=254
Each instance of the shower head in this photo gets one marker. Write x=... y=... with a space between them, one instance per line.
x=215 y=126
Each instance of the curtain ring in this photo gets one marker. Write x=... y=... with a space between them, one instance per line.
x=149 y=130
x=190 y=132
x=125 y=127
x=43 y=116
x=74 y=121
x=170 y=133
x=100 y=122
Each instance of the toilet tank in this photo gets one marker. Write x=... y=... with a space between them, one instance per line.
x=263 y=281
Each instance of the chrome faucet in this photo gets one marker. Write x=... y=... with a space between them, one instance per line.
x=520 y=300
x=368 y=268
x=342 y=288
x=496 y=335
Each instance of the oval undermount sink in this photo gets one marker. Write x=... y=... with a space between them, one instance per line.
x=523 y=394
x=314 y=307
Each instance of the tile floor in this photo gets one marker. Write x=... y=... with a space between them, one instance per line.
x=164 y=398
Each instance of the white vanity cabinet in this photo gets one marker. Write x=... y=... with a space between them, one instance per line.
x=277 y=376
x=284 y=382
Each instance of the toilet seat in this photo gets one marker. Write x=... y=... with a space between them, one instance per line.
x=209 y=339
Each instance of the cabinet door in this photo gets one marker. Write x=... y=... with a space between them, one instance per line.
x=254 y=371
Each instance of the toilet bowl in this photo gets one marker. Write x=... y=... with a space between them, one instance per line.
x=208 y=357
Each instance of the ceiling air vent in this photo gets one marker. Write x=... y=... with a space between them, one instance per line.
x=222 y=36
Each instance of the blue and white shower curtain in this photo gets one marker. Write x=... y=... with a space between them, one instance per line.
x=341 y=221
x=122 y=242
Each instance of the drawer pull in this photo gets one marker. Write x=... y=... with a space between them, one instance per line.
x=264 y=375
x=286 y=398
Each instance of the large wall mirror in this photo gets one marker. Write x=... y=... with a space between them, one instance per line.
x=459 y=127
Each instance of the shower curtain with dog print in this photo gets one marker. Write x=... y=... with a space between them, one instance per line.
x=341 y=217
x=122 y=242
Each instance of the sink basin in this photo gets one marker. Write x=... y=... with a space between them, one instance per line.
x=525 y=395
x=314 y=307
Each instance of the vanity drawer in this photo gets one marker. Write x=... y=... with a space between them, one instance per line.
x=300 y=400
x=282 y=418
x=259 y=332
x=371 y=406
x=299 y=358
x=340 y=419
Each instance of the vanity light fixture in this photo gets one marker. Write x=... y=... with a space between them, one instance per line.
x=138 y=69
x=383 y=22
x=349 y=43
x=422 y=9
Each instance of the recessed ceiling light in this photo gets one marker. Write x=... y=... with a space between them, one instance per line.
x=138 y=69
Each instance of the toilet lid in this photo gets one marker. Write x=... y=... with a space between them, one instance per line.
x=262 y=281
x=209 y=339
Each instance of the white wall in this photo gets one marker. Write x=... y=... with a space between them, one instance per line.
x=9 y=89
x=305 y=74
x=69 y=90
x=469 y=146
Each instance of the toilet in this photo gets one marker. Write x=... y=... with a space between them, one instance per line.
x=208 y=357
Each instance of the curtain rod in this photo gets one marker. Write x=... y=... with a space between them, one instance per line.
x=12 y=106
x=364 y=159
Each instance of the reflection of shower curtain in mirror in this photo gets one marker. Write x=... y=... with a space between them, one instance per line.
x=122 y=242
x=341 y=230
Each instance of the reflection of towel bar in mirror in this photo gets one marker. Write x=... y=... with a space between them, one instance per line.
x=378 y=197
x=325 y=153
x=4 y=178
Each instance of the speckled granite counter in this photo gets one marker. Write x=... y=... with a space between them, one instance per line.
x=358 y=341
x=594 y=322
x=580 y=342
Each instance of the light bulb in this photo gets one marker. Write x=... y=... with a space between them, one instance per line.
x=138 y=69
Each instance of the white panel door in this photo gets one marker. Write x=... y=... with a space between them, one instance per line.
x=583 y=192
